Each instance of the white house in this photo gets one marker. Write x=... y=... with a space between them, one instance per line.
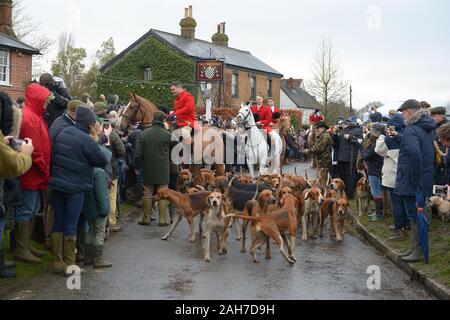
x=294 y=97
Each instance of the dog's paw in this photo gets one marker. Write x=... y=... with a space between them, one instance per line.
x=293 y=258
x=207 y=260
x=243 y=250
x=165 y=238
x=268 y=257
x=304 y=239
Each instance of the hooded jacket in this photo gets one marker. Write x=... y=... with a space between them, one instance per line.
x=389 y=150
x=416 y=158
x=34 y=127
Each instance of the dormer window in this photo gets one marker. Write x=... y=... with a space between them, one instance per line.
x=148 y=75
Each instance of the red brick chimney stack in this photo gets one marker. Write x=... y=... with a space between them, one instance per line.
x=6 y=18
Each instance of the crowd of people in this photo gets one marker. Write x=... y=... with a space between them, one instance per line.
x=68 y=158
x=403 y=157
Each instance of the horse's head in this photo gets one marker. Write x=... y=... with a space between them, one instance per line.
x=245 y=116
x=138 y=110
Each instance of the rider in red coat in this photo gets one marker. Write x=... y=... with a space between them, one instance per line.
x=275 y=111
x=264 y=114
x=316 y=117
x=184 y=106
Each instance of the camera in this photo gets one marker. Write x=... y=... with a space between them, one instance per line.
x=16 y=144
x=440 y=190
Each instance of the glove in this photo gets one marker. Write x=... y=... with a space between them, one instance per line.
x=420 y=200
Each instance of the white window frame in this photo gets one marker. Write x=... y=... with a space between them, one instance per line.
x=235 y=85
x=8 y=69
x=148 y=70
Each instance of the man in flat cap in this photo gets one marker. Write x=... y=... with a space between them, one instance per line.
x=415 y=169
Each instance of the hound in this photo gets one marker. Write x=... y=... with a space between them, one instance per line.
x=186 y=205
x=216 y=223
x=362 y=195
x=310 y=203
x=338 y=211
x=339 y=186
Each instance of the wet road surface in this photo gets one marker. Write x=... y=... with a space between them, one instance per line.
x=147 y=268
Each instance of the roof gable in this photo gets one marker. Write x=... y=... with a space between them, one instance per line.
x=12 y=43
x=198 y=49
x=299 y=96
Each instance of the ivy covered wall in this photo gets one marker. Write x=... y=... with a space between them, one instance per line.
x=167 y=65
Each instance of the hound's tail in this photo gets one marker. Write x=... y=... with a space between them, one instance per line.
x=248 y=218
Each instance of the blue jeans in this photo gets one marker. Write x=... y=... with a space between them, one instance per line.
x=67 y=208
x=400 y=215
x=409 y=205
x=31 y=204
x=375 y=186
x=2 y=228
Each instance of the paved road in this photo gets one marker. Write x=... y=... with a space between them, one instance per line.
x=148 y=268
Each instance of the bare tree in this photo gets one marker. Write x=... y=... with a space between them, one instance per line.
x=26 y=30
x=326 y=83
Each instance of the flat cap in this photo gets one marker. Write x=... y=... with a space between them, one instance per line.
x=410 y=104
x=438 y=111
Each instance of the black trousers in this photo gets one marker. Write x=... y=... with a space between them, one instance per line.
x=349 y=176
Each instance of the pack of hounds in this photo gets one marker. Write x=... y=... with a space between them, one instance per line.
x=274 y=207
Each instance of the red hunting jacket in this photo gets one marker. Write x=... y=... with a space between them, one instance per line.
x=265 y=116
x=184 y=108
x=34 y=127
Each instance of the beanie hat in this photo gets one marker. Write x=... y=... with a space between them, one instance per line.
x=85 y=116
x=99 y=107
x=72 y=105
x=376 y=117
x=377 y=130
x=46 y=79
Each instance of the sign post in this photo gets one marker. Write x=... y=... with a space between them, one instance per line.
x=209 y=70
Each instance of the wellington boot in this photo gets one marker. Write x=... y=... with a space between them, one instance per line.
x=34 y=251
x=148 y=212
x=22 y=252
x=99 y=262
x=417 y=253
x=5 y=272
x=163 y=206
x=89 y=255
x=57 y=249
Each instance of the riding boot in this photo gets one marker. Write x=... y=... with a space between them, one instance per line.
x=57 y=248
x=5 y=272
x=163 y=206
x=22 y=252
x=148 y=212
x=34 y=251
x=99 y=262
x=417 y=253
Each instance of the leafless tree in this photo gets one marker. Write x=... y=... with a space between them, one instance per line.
x=326 y=83
x=26 y=30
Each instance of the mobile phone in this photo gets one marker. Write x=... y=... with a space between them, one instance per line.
x=16 y=144
x=440 y=190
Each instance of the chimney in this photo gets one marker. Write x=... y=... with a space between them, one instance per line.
x=6 y=18
x=291 y=83
x=220 y=38
x=188 y=24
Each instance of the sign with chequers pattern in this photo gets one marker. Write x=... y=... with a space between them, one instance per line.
x=209 y=70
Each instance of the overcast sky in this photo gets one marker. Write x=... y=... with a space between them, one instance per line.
x=390 y=50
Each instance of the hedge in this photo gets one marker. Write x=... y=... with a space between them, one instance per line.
x=167 y=66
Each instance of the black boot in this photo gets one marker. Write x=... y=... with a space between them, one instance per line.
x=5 y=272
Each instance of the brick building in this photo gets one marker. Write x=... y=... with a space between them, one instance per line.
x=245 y=75
x=15 y=56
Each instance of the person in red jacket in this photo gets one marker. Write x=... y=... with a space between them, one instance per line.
x=316 y=117
x=184 y=106
x=36 y=179
x=264 y=114
x=276 y=111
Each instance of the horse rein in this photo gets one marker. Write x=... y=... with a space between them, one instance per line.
x=132 y=119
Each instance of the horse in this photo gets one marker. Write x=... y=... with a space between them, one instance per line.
x=285 y=129
x=257 y=148
x=141 y=110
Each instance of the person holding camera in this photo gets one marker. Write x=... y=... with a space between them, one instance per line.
x=61 y=98
x=346 y=141
x=13 y=163
x=374 y=164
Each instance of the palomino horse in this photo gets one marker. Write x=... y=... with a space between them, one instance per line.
x=285 y=130
x=257 y=148
x=141 y=110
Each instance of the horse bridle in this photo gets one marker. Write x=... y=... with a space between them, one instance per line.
x=132 y=119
